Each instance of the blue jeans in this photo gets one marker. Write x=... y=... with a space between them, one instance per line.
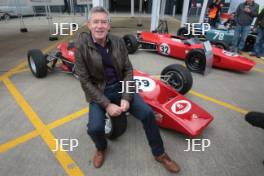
x=138 y=108
x=259 y=45
x=240 y=36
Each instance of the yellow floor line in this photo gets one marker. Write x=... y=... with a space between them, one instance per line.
x=218 y=102
x=20 y=71
x=24 y=61
x=19 y=140
x=26 y=137
x=63 y=157
x=260 y=61
x=68 y=118
x=259 y=70
x=13 y=143
x=13 y=70
x=257 y=60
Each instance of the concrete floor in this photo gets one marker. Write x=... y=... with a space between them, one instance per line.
x=33 y=112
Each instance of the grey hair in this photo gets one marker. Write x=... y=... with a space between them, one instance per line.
x=98 y=9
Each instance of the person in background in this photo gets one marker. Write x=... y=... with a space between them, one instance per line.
x=145 y=6
x=102 y=63
x=66 y=7
x=244 y=16
x=230 y=23
x=258 y=50
x=214 y=10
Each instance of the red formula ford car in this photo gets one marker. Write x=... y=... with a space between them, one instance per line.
x=191 y=50
x=172 y=109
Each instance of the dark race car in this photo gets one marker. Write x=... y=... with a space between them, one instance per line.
x=190 y=50
x=220 y=35
x=172 y=109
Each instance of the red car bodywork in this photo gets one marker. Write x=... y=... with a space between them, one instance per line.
x=173 y=110
x=176 y=47
x=187 y=117
x=66 y=52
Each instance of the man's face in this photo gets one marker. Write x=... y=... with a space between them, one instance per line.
x=249 y=1
x=99 y=25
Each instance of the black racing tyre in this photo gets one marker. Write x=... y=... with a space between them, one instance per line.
x=182 y=31
x=53 y=38
x=196 y=61
x=131 y=43
x=250 y=42
x=23 y=30
x=115 y=126
x=221 y=45
x=178 y=77
x=6 y=16
x=37 y=63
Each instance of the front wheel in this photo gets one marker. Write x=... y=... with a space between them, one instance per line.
x=6 y=17
x=196 y=60
x=178 y=77
x=115 y=126
x=37 y=63
x=131 y=43
x=250 y=42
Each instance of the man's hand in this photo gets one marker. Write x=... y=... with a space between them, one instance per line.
x=124 y=104
x=247 y=9
x=113 y=110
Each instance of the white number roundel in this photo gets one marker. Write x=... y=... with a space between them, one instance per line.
x=181 y=107
x=144 y=83
x=164 y=48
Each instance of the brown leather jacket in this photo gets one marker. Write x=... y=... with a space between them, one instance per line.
x=89 y=67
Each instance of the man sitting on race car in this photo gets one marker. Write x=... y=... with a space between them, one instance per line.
x=101 y=63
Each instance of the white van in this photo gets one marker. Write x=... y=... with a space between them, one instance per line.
x=14 y=8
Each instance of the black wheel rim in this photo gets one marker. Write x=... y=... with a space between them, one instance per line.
x=250 y=42
x=195 y=62
x=108 y=126
x=6 y=17
x=32 y=65
x=128 y=44
x=174 y=79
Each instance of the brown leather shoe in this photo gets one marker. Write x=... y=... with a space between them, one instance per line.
x=168 y=163
x=98 y=159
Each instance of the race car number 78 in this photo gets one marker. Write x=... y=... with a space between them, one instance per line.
x=219 y=35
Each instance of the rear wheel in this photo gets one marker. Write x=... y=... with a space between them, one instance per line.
x=178 y=77
x=115 y=126
x=250 y=42
x=196 y=60
x=37 y=63
x=131 y=43
x=6 y=16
